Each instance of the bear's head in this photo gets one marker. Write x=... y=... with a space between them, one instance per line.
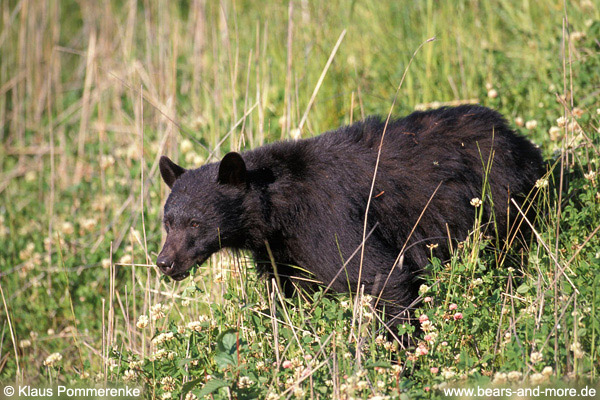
x=203 y=213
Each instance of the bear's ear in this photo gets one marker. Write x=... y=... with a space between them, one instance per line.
x=170 y=171
x=232 y=169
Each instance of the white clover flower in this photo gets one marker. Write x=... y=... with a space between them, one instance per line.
x=244 y=382
x=194 y=326
x=492 y=93
x=536 y=357
x=554 y=133
x=129 y=375
x=519 y=121
x=514 y=376
x=541 y=183
x=531 y=124
x=476 y=202
x=537 y=378
x=142 y=322
x=186 y=146
x=547 y=371
x=168 y=383
x=500 y=377
x=590 y=176
x=190 y=396
x=576 y=349
x=561 y=122
x=67 y=228
x=157 y=311
x=52 y=359
x=163 y=337
x=447 y=373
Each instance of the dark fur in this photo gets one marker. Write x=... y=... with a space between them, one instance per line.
x=307 y=198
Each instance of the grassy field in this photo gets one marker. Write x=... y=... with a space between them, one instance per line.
x=92 y=93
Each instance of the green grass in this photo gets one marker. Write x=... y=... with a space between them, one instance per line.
x=92 y=93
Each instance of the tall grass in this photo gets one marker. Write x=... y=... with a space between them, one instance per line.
x=92 y=93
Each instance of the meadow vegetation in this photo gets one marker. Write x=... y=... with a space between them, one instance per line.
x=93 y=93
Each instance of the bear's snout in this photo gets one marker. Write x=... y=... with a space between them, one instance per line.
x=165 y=264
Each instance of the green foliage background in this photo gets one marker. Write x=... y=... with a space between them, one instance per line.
x=92 y=93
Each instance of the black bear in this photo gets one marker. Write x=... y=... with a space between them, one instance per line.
x=302 y=204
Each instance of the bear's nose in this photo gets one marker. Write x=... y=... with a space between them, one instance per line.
x=165 y=265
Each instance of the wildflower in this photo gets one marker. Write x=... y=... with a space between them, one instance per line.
x=577 y=36
x=492 y=93
x=537 y=378
x=457 y=316
x=126 y=259
x=244 y=382
x=519 y=121
x=194 y=326
x=547 y=371
x=554 y=132
x=426 y=326
x=166 y=396
x=453 y=307
x=106 y=161
x=427 y=299
x=67 y=228
x=576 y=349
x=590 y=176
x=163 y=337
x=536 y=357
x=500 y=377
x=447 y=373
x=168 y=383
x=157 y=355
x=561 y=122
x=432 y=246
x=157 y=311
x=541 y=183
x=52 y=360
x=476 y=202
x=514 y=376
x=186 y=146
x=423 y=318
x=24 y=343
x=577 y=112
x=379 y=339
x=428 y=338
x=106 y=263
x=271 y=396
x=477 y=282
x=423 y=288
x=298 y=392
x=142 y=322
x=190 y=396
x=88 y=224
x=434 y=370
x=287 y=364
x=129 y=375
x=532 y=124
x=421 y=350
x=295 y=134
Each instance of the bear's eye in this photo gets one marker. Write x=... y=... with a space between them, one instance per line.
x=194 y=223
